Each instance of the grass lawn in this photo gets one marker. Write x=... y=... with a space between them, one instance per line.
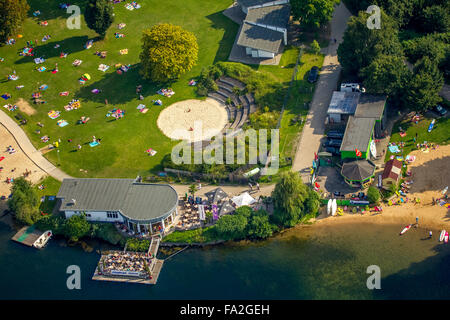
x=123 y=145
x=439 y=134
x=192 y=236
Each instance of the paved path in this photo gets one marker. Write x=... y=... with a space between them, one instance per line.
x=445 y=92
x=314 y=128
x=30 y=151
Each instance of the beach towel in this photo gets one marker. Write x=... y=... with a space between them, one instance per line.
x=10 y=107
x=39 y=60
x=151 y=152
x=77 y=62
x=95 y=91
x=62 y=123
x=53 y=114
x=41 y=69
x=141 y=106
x=103 y=67
x=64 y=93
x=94 y=144
x=6 y=96
x=43 y=87
x=121 y=25
x=123 y=51
x=394 y=149
x=45 y=139
x=2 y=158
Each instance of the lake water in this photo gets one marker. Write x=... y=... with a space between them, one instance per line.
x=310 y=262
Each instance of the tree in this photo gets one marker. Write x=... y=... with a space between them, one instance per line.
x=192 y=189
x=312 y=204
x=400 y=10
x=24 y=201
x=315 y=47
x=244 y=211
x=313 y=13
x=259 y=226
x=435 y=19
x=425 y=85
x=387 y=75
x=99 y=16
x=362 y=45
x=232 y=226
x=76 y=227
x=373 y=195
x=289 y=195
x=168 y=51
x=12 y=15
x=431 y=46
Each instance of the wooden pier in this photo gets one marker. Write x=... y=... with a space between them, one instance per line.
x=27 y=235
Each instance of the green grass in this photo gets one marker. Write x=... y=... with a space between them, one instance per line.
x=192 y=236
x=439 y=134
x=121 y=153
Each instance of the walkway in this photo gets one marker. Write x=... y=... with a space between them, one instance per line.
x=314 y=128
x=30 y=151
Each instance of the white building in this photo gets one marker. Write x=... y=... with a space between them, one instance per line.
x=142 y=207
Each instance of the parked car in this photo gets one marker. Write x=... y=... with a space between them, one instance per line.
x=313 y=74
x=335 y=134
x=352 y=87
x=440 y=110
x=338 y=194
x=333 y=143
x=333 y=150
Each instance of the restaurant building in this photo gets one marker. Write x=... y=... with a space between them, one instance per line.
x=142 y=207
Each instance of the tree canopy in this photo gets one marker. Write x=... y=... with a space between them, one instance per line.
x=362 y=45
x=12 y=15
x=99 y=15
x=425 y=85
x=76 y=227
x=24 y=201
x=387 y=75
x=289 y=196
x=168 y=51
x=313 y=13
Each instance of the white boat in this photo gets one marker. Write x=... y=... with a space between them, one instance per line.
x=441 y=237
x=43 y=239
x=329 y=204
x=334 y=207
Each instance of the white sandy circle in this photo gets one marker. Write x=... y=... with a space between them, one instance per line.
x=193 y=120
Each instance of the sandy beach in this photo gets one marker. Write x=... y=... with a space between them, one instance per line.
x=17 y=161
x=430 y=173
x=179 y=120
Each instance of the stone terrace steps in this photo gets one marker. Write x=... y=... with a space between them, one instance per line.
x=232 y=82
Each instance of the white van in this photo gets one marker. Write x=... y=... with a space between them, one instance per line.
x=352 y=87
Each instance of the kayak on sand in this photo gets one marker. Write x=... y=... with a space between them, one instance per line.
x=406 y=229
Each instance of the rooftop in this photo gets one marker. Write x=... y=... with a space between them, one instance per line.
x=357 y=134
x=260 y=38
x=250 y=3
x=344 y=102
x=277 y=16
x=392 y=169
x=357 y=170
x=370 y=106
x=136 y=201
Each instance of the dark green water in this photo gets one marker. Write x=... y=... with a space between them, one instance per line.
x=318 y=262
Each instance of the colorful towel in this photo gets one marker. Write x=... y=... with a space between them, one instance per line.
x=394 y=149
x=62 y=123
x=53 y=114
x=94 y=144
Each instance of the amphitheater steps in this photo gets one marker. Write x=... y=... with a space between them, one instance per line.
x=225 y=86
x=217 y=97
x=233 y=82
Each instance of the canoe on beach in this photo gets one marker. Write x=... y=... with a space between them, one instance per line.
x=406 y=229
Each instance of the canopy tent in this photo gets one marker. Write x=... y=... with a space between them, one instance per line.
x=216 y=195
x=244 y=199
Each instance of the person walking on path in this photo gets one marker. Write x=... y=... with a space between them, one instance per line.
x=431 y=234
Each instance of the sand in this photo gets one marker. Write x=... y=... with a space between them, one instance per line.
x=430 y=173
x=25 y=107
x=207 y=117
x=17 y=160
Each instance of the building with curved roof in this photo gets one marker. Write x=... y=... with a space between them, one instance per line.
x=142 y=207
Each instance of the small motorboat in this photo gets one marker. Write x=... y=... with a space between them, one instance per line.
x=43 y=239
x=441 y=237
x=406 y=229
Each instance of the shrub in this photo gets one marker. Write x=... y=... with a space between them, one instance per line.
x=373 y=195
